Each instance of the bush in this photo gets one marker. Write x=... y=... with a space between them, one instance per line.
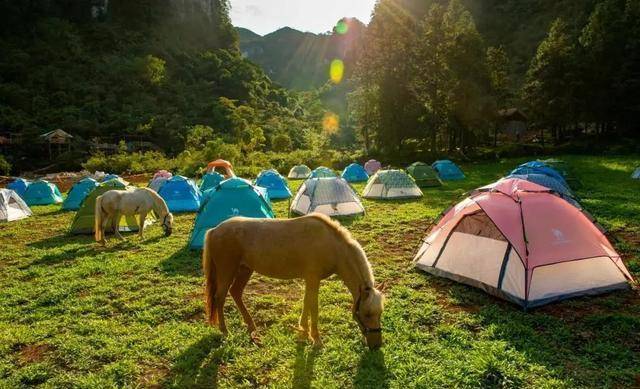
x=132 y=163
x=5 y=166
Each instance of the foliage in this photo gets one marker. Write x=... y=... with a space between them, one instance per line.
x=5 y=166
x=131 y=163
x=130 y=314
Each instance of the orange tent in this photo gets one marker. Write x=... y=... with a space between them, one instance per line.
x=221 y=163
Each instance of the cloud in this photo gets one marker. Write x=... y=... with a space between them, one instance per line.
x=253 y=10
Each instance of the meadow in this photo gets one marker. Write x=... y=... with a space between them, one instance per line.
x=74 y=314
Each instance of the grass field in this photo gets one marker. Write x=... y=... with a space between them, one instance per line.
x=73 y=314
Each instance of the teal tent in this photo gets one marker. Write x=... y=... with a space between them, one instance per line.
x=181 y=194
x=447 y=170
x=19 y=185
x=355 y=173
x=211 y=180
x=42 y=192
x=233 y=197
x=79 y=191
x=276 y=185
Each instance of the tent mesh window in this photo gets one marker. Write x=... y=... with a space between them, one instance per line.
x=396 y=180
x=479 y=224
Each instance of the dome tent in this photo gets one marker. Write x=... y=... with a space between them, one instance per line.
x=210 y=180
x=565 y=170
x=391 y=184
x=233 y=197
x=299 y=172
x=224 y=165
x=538 y=167
x=12 y=207
x=42 y=192
x=549 y=182
x=447 y=170
x=181 y=194
x=424 y=175
x=163 y=173
x=521 y=242
x=78 y=192
x=322 y=172
x=372 y=166
x=274 y=183
x=355 y=173
x=110 y=176
x=330 y=196
x=19 y=185
x=83 y=222
x=636 y=174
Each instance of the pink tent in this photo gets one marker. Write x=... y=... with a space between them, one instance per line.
x=372 y=166
x=162 y=174
x=521 y=242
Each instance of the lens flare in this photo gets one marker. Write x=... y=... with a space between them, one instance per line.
x=342 y=27
x=330 y=122
x=336 y=71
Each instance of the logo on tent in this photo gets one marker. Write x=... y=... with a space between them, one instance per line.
x=235 y=211
x=559 y=235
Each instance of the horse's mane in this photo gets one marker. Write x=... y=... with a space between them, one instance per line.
x=158 y=201
x=364 y=267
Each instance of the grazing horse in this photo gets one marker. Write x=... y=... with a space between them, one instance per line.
x=311 y=247
x=113 y=204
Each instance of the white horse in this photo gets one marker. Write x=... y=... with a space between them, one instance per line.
x=113 y=204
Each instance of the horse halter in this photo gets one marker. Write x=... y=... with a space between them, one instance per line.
x=164 y=221
x=365 y=330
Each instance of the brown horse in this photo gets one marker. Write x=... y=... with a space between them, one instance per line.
x=312 y=248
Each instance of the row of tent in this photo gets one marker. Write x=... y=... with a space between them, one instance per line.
x=525 y=239
x=425 y=175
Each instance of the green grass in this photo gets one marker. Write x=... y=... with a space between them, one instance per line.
x=73 y=314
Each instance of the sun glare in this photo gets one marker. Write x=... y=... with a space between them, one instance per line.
x=336 y=71
x=330 y=122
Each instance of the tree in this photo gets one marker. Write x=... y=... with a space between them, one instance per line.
x=551 y=81
x=498 y=64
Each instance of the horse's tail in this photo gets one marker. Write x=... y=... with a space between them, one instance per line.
x=99 y=234
x=209 y=269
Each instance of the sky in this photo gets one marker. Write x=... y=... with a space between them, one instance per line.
x=265 y=16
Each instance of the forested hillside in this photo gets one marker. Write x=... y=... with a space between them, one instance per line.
x=156 y=71
x=434 y=75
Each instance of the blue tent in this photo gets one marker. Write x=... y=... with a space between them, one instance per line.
x=537 y=167
x=211 y=180
x=274 y=183
x=355 y=173
x=42 y=192
x=181 y=194
x=79 y=191
x=19 y=185
x=233 y=197
x=322 y=172
x=552 y=183
x=447 y=170
x=110 y=177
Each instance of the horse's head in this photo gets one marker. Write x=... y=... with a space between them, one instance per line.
x=367 y=312
x=167 y=224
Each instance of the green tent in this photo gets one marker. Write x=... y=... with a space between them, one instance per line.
x=83 y=222
x=424 y=175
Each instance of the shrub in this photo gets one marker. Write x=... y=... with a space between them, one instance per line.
x=5 y=166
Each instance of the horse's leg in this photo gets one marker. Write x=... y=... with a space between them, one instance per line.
x=303 y=323
x=312 y=287
x=116 y=225
x=143 y=216
x=105 y=223
x=224 y=278
x=237 y=288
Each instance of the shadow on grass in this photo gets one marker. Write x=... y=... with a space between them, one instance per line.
x=183 y=262
x=372 y=371
x=197 y=366
x=303 y=367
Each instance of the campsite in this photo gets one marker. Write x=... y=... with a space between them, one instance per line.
x=131 y=313
x=319 y=194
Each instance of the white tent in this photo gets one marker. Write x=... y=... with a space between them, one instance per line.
x=636 y=174
x=391 y=184
x=12 y=207
x=330 y=196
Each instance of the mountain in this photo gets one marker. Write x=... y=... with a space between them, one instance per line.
x=301 y=60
